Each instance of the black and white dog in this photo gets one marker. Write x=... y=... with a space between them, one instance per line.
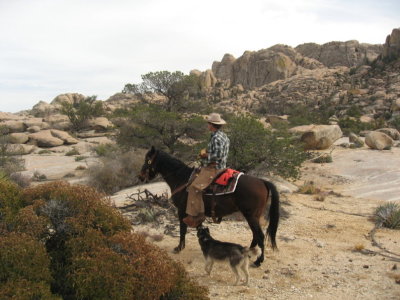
x=237 y=255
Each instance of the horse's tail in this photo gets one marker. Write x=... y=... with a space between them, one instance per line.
x=273 y=213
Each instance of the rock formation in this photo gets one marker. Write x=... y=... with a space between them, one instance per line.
x=334 y=54
x=391 y=48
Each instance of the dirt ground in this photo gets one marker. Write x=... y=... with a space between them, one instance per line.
x=326 y=250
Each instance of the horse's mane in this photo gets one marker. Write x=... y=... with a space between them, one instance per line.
x=171 y=162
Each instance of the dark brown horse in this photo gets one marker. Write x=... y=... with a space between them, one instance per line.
x=250 y=198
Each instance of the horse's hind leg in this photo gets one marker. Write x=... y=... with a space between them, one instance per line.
x=258 y=237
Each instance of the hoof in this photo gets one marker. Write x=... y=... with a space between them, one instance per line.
x=177 y=250
x=256 y=264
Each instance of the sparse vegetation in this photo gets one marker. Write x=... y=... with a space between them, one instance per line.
x=72 y=152
x=359 y=247
x=80 y=157
x=37 y=176
x=115 y=172
x=323 y=159
x=388 y=215
x=105 y=149
x=351 y=124
x=309 y=188
x=44 y=151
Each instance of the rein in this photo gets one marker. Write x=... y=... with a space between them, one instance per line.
x=179 y=188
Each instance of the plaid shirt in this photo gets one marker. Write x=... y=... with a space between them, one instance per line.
x=218 y=149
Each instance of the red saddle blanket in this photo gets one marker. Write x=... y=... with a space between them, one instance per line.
x=223 y=179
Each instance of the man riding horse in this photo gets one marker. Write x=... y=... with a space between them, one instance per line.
x=213 y=160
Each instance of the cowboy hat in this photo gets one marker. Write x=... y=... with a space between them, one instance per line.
x=215 y=118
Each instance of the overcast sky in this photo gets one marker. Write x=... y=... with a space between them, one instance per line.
x=95 y=47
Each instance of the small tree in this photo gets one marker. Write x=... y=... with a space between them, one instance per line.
x=254 y=146
x=177 y=88
x=80 y=112
x=153 y=125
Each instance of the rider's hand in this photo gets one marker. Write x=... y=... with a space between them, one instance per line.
x=203 y=153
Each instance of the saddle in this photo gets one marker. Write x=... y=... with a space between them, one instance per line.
x=224 y=183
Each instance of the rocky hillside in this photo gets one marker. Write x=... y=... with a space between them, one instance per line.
x=338 y=74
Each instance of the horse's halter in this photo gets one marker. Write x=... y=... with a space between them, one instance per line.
x=149 y=167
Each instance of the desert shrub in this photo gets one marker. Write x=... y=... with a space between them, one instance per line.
x=132 y=267
x=80 y=112
x=10 y=160
x=24 y=268
x=24 y=289
x=349 y=124
x=28 y=222
x=115 y=172
x=72 y=152
x=309 y=188
x=20 y=179
x=44 y=151
x=185 y=288
x=395 y=122
x=388 y=215
x=37 y=176
x=105 y=149
x=253 y=146
x=322 y=159
x=10 y=199
x=76 y=206
x=70 y=232
x=80 y=157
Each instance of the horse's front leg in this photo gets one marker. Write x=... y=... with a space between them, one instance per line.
x=182 y=232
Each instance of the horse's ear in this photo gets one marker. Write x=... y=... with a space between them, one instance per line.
x=152 y=150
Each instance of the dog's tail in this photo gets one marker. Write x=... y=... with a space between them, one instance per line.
x=252 y=252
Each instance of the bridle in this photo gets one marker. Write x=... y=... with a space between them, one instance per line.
x=150 y=167
x=150 y=164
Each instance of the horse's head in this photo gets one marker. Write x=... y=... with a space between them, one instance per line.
x=149 y=169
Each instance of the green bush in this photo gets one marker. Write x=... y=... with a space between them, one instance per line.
x=323 y=159
x=395 y=122
x=305 y=115
x=154 y=126
x=105 y=149
x=72 y=152
x=348 y=125
x=80 y=112
x=388 y=215
x=254 y=146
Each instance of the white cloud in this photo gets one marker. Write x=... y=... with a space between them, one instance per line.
x=48 y=47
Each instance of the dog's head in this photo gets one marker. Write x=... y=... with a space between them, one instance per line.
x=203 y=232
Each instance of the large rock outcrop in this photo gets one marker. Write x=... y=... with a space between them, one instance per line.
x=254 y=69
x=391 y=48
x=318 y=137
x=334 y=54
